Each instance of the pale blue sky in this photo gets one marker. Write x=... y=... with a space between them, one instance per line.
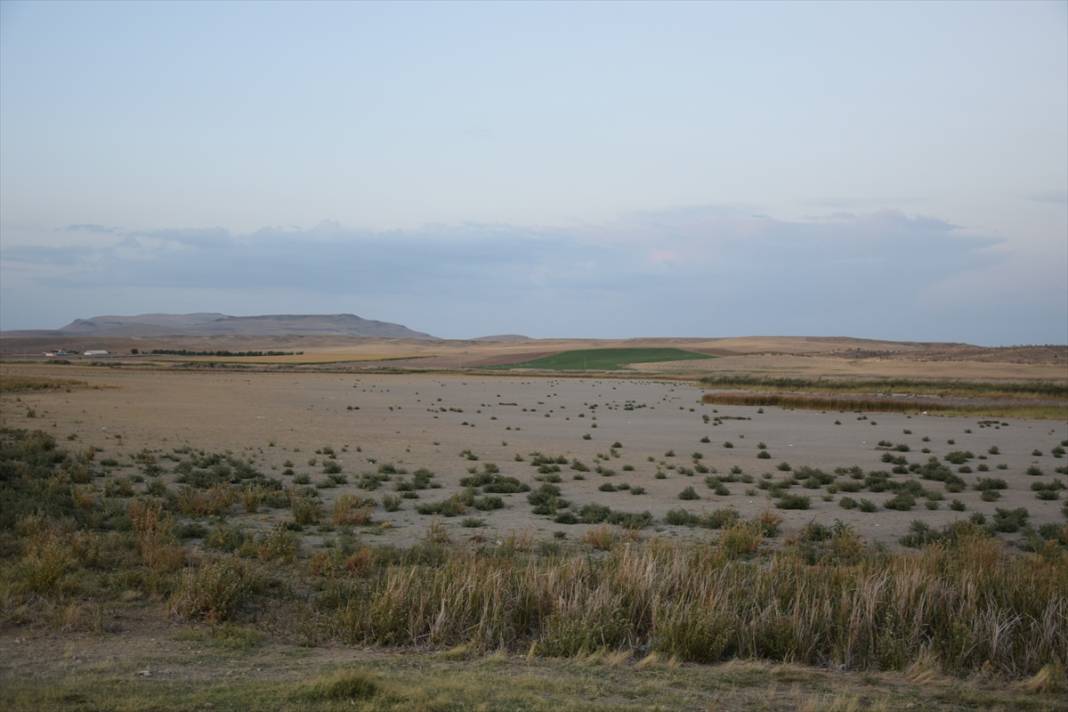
x=894 y=170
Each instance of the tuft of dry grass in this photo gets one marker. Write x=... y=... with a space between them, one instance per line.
x=215 y=590
x=924 y=669
x=955 y=606
x=601 y=538
x=155 y=540
x=1051 y=678
x=214 y=501
x=352 y=510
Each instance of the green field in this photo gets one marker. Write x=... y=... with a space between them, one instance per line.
x=604 y=359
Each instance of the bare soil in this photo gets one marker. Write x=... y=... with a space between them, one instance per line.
x=426 y=420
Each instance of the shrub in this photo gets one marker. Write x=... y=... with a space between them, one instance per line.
x=680 y=518
x=279 y=544
x=719 y=518
x=990 y=483
x=225 y=537
x=487 y=503
x=352 y=510
x=689 y=493
x=1009 y=520
x=214 y=591
x=741 y=539
x=452 y=507
x=203 y=503
x=46 y=562
x=793 y=501
x=155 y=536
x=306 y=510
x=601 y=538
x=342 y=687
x=902 y=502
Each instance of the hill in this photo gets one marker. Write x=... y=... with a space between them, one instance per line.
x=503 y=337
x=211 y=324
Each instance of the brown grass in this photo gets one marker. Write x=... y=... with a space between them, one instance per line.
x=899 y=405
x=26 y=384
x=967 y=606
x=155 y=541
x=352 y=510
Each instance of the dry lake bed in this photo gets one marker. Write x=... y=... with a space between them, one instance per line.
x=405 y=442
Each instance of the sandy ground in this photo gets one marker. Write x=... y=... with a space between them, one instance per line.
x=417 y=420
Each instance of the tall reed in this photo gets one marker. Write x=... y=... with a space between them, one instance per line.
x=968 y=604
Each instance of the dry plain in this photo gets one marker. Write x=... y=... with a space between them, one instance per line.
x=668 y=440
x=245 y=527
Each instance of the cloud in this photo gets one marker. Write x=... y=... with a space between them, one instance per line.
x=704 y=270
x=1053 y=197
x=98 y=229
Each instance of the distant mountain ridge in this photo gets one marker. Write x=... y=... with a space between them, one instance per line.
x=503 y=337
x=214 y=324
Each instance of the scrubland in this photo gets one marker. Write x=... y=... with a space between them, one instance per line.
x=327 y=541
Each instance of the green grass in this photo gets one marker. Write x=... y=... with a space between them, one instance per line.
x=604 y=359
x=416 y=680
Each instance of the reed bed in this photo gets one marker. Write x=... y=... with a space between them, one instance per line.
x=968 y=604
x=805 y=401
x=1043 y=389
x=816 y=402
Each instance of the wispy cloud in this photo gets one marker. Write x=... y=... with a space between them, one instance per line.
x=692 y=271
x=1055 y=197
x=90 y=228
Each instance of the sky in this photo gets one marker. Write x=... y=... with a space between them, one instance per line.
x=887 y=170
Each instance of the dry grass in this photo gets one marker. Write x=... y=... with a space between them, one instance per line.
x=601 y=538
x=899 y=405
x=965 y=606
x=352 y=510
x=215 y=590
x=333 y=679
x=928 y=386
x=969 y=605
x=155 y=541
x=10 y=383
